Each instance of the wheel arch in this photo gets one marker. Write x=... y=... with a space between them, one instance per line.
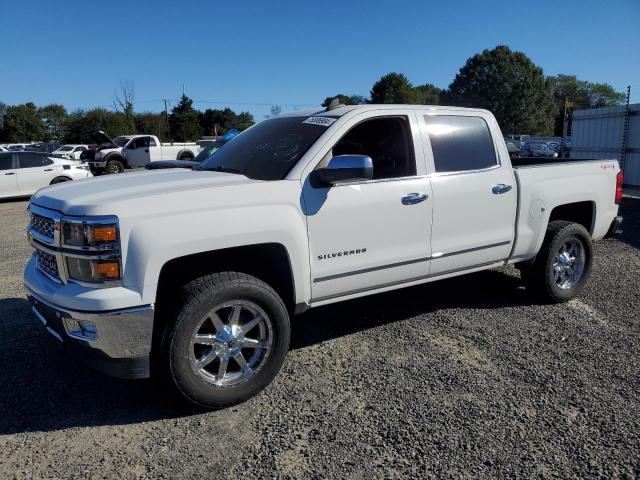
x=188 y=154
x=582 y=213
x=66 y=179
x=115 y=156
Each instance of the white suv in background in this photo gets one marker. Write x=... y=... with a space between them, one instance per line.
x=22 y=173
x=70 y=151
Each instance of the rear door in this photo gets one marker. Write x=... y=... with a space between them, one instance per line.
x=34 y=171
x=8 y=178
x=474 y=193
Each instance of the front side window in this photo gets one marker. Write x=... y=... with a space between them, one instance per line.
x=387 y=140
x=6 y=161
x=152 y=142
x=65 y=148
x=460 y=143
x=268 y=150
x=30 y=160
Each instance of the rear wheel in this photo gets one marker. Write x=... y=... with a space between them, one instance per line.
x=115 y=166
x=229 y=340
x=185 y=156
x=563 y=264
x=59 y=180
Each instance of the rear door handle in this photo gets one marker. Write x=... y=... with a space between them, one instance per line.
x=48 y=169
x=10 y=173
x=501 y=188
x=414 y=198
x=146 y=151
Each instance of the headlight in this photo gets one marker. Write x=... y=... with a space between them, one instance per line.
x=92 y=269
x=83 y=234
x=97 y=156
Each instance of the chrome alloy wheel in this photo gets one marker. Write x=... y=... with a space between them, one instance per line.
x=231 y=343
x=569 y=263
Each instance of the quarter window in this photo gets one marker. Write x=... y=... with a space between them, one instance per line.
x=460 y=143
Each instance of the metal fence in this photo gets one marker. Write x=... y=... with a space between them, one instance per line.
x=609 y=132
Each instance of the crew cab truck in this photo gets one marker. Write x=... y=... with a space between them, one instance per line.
x=195 y=274
x=135 y=151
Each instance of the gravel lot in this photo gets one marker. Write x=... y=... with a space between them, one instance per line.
x=464 y=378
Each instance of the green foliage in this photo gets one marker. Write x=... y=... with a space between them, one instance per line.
x=393 y=88
x=152 y=124
x=54 y=117
x=81 y=123
x=218 y=122
x=427 y=94
x=582 y=95
x=22 y=123
x=346 y=100
x=185 y=121
x=511 y=86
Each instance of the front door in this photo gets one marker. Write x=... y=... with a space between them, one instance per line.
x=137 y=152
x=371 y=234
x=34 y=171
x=474 y=193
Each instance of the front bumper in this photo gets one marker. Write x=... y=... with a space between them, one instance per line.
x=116 y=342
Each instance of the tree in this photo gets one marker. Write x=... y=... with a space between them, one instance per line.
x=80 y=123
x=393 y=88
x=3 y=111
x=218 y=122
x=123 y=101
x=346 y=100
x=427 y=94
x=185 y=121
x=54 y=117
x=23 y=123
x=276 y=110
x=511 y=86
x=582 y=95
x=152 y=124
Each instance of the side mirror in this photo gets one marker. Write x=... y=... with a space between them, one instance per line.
x=344 y=168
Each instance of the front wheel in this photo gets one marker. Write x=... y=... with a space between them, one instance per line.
x=115 y=166
x=229 y=340
x=563 y=264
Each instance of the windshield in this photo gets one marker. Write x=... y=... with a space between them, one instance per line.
x=269 y=149
x=209 y=150
x=65 y=148
x=121 y=141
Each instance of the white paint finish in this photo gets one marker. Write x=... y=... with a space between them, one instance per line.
x=9 y=183
x=167 y=214
x=139 y=157
x=561 y=184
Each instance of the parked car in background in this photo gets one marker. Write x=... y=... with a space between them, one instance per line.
x=22 y=173
x=538 y=150
x=44 y=147
x=513 y=149
x=133 y=151
x=201 y=270
x=70 y=151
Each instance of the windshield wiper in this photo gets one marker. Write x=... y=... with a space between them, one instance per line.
x=219 y=169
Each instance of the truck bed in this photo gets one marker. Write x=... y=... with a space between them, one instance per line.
x=533 y=161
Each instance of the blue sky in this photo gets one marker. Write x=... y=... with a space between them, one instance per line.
x=249 y=55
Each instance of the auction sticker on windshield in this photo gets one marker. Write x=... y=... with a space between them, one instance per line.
x=324 y=121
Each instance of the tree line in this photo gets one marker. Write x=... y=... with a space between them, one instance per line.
x=505 y=82
x=52 y=123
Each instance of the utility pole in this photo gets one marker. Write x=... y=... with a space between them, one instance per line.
x=166 y=115
x=625 y=130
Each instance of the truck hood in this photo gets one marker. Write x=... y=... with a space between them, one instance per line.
x=119 y=194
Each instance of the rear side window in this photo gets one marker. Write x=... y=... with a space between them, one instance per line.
x=6 y=161
x=30 y=160
x=152 y=142
x=460 y=143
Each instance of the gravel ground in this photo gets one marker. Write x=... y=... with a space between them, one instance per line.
x=464 y=378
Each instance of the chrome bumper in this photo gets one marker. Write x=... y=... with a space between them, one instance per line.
x=116 y=342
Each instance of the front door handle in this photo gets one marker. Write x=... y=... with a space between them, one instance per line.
x=146 y=151
x=500 y=188
x=48 y=169
x=414 y=198
x=10 y=173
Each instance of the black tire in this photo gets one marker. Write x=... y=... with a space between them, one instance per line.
x=59 y=180
x=114 y=166
x=185 y=156
x=200 y=297
x=539 y=274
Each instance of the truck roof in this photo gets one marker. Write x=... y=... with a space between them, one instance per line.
x=338 y=112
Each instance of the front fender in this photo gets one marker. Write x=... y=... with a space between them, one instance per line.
x=152 y=242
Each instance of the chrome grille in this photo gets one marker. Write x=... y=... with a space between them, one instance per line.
x=42 y=225
x=48 y=264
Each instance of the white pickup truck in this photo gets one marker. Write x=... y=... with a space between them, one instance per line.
x=195 y=274
x=134 y=151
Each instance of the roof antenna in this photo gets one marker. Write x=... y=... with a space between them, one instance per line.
x=335 y=103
